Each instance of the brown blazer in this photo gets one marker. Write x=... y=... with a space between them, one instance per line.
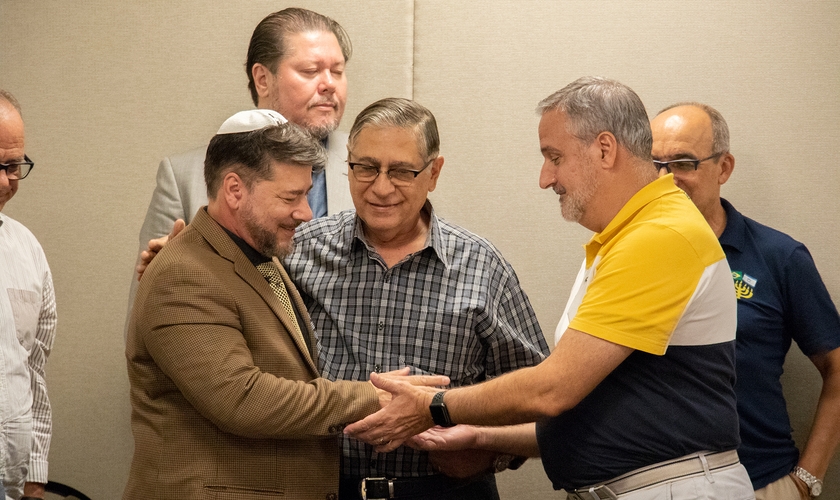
x=226 y=404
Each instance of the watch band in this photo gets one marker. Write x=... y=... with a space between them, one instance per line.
x=813 y=482
x=440 y=414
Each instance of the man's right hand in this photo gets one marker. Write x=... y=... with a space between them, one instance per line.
x=155 y=246
x=403 y=374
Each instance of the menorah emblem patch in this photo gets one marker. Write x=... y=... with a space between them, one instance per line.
x=744 y=284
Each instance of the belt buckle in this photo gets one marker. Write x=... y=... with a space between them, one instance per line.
x=595 y=493
x=376 y=488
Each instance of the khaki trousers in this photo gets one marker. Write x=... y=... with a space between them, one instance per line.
x=781 y=489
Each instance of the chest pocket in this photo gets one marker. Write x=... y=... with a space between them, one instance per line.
x=26 y=307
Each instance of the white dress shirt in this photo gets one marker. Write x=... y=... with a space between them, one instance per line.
x=27 y=331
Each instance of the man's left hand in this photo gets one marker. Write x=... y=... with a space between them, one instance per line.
x=34 y=490
x=403 y=374
x=406 y=415
x=463 y=464
x=804 y=491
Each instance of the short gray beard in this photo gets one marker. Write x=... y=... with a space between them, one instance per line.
x=322 y=131
x=573 y=206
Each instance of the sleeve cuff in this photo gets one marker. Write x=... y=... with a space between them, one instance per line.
x=38 y=470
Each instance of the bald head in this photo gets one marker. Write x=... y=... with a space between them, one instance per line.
x=682 y=132
x=694 y=131
x=11 y=145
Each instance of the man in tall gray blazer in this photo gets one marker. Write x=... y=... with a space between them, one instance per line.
x=296 y=66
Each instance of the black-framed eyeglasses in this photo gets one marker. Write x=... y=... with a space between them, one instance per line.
x=17 y=170
x=398 y=176
x=682 y=164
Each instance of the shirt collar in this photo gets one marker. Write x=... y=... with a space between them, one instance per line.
x=662 y=186
x=253 y=255
x=733 y=233
x=434 y=239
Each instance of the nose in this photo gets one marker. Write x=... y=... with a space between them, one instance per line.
x=382 y=185
x=4 y=179
x=303 y=212
x=328 y=83
x=547 y=177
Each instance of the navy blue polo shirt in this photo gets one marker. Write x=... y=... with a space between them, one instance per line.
x=780 y=297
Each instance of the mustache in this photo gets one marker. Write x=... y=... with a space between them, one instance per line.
x=326 y=100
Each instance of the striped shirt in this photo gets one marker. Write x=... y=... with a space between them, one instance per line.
x=453 y=308
x=27 y=331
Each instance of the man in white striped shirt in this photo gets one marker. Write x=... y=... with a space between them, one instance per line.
x=27 y=328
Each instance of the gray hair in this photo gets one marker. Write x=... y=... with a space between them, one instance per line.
x=268 y=42
x=720 y=130
x=400 y=113
x=8 y=97
x=249 y=154
x=594 y=104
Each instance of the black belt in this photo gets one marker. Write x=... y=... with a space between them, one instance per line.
x=372 y=488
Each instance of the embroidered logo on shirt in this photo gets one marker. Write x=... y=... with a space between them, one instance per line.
x=744 y=284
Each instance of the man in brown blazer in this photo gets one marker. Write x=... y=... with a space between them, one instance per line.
x=227 y=401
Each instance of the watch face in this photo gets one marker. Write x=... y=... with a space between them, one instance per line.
x=816 y=489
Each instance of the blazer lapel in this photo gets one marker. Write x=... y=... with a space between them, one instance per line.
x=243 y=267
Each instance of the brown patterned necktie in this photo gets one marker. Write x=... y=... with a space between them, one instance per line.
x=275 y=281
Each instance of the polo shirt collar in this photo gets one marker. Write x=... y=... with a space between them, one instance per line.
x=662 y=186
x=736 y=227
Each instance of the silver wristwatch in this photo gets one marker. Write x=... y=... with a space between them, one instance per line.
x=814 y=484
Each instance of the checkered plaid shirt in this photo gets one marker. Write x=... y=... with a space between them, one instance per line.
x=454 y=308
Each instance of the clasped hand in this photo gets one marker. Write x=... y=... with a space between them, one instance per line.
x=405 y=415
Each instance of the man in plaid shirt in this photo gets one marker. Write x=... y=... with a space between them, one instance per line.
x=392 y=285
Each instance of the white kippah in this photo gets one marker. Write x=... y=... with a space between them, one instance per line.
x=253 y=119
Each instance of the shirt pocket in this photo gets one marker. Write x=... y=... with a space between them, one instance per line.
x=26 y=307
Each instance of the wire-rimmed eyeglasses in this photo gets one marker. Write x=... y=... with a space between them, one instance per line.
x=398 y=176
x=682 y=164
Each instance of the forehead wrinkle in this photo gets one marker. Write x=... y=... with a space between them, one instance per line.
x=678 y=155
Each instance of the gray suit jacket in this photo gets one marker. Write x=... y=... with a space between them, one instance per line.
x=181 y=191
x=226 y=403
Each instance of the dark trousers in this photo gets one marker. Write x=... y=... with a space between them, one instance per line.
x=438 y=487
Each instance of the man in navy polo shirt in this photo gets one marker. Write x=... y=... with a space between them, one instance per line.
x=780 y=297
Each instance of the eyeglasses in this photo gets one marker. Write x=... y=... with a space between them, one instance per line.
x=682 y=165
x=398 y=176
x=17 y=170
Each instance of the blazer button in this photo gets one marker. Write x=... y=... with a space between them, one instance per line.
x=332 y=496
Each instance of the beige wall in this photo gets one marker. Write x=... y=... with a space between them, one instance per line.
x=109 y=88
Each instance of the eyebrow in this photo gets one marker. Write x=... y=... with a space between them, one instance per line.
x=681 y=155
x=376 y=163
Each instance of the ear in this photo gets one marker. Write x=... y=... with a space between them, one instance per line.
x=727 y=165
x=263 y=79
x=436 y=165
x=233 y=190
x=607 y=148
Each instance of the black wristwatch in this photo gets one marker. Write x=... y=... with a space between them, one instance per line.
x=439 y=412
